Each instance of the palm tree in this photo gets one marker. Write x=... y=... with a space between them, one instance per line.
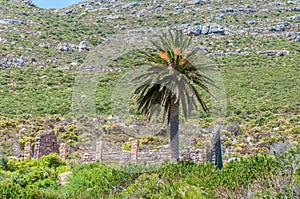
x=172 y=81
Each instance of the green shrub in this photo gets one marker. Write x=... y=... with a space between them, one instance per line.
x=3 y=163
x=94 y=180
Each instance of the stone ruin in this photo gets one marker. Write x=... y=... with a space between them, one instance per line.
x=45 y=144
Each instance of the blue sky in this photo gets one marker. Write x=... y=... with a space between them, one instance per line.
x=55 y=3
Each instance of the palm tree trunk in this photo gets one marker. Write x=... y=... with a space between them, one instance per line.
x=174 y=134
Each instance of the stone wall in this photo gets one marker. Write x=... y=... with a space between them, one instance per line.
x=45 y=144
x=103 y=154
x=27 y=150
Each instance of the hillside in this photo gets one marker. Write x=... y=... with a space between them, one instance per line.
x=68 y=72
x=254 y=44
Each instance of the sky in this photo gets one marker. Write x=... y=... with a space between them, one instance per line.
x=55 y=3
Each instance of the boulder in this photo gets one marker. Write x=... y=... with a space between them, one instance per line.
x=12 y=21
x=197 y=23
x=217 y=29
x=29 y=3
x=296 y=17
x=18 y=62
x=251 y=22
x=64 y=47
x=279 y=27
x=205 y=29
x=70 y=11
x=82 y=46
x=195 y=31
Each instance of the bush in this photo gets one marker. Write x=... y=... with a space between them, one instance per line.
x=94 y=180
x=3 y=163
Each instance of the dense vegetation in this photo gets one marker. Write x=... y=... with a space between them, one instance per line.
x=252 y=177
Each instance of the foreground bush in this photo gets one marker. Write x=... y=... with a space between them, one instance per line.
x=252 y=177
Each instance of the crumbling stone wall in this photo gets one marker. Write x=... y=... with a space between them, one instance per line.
x=62 y=151
x=27 y=150
x=45 y=143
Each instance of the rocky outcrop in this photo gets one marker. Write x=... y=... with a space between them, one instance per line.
x=206 y=29
x=70 y=11
x=69 y=47
x=12 y=21
x=274 y=52
x=12 y=62
x=29 y=3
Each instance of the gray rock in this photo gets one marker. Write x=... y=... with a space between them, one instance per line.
x=203 y=49
x=196 y=2
x=18 y=62
x=285 y=23
x=195 y=31
x=89 y=7
x=298 y=38
x=24 y=14
x=279 y=27
x=217 y=29
x=29 y=3
x=247 y=11
x=248 y=6
x=219 y=17
x=229 y=10
x=129 y=5
x=296 y=17
x=205 y=29
x=82 y=46
x=197 y=23
x=251 y=22
x=66 y=68
x=70 y=11
x=64 y=47
x=291 y=34
x=12 y=21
